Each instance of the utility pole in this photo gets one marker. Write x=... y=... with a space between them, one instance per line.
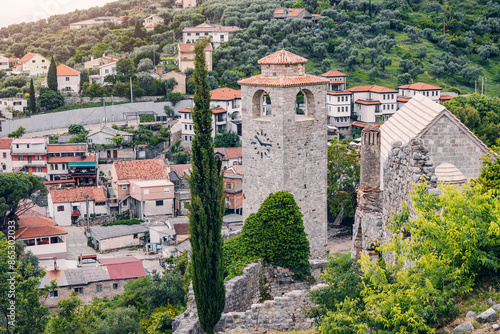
x=131 y=95
x=485 y=85
x=482 y=86
x=475 y=86
x=104 y=106
x=154 y=58
x=88 y=221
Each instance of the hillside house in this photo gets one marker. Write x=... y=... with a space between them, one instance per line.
x=338 y=102
x=151 y=22
x=177 y=176
x=104 y=70
x=96 y=62
x=29 y=155
x=219 y=123
x=373 y=104
x=5 y=157
x=219 y=34
x=292 y=13
x=406 y=92
x=66 y=206
x=123 y=173
x=4 y=62
x=185 y=3
x=230 y=156
x=10 y=104
x=98 y=278
x=180 y=78
x=32 y=64
x=92 y=22
x=68 y=79
x=185 y=56
x=151 y=198
x=233 y=191
x=103 y=135
x=42 y=236
x=71 y=162
x=107 y=238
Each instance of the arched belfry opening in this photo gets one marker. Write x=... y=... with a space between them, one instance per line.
x=261 y=104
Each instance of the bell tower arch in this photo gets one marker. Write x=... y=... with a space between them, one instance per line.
x=284 y=150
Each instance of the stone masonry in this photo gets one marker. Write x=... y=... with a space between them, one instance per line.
x=283 y=150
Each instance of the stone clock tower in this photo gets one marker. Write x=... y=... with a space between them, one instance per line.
x=283 y=150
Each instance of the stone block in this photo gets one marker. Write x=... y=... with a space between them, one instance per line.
x=489 y=315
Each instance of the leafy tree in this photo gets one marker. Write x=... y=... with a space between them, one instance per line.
x=169 y=84
x=32 y=100
x=486 y=52
x=164 y=289
x=78 y=138
x=422 y=51
x=207 y=205
x=490 y=175
x=384 y=61
x=230 y=79
x=74 y=317
x=169 y=111
x=17 y=133
x=175 y=97
x=8 y=92
x=49 y=99
x=471 y=73
x=139 y=32
x=74 y=129
x=373 y=73
x=119 y=320
x=145 y=64
x=52 y=76
x=404 y=79
x=212 y=82
x=125 y=69
x=343 y=179
x=226 y=139
x=117 y=140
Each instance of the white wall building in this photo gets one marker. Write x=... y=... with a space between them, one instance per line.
x=32 y=64
x=29 y=155
x=9 y=104
x=220 y=34
x=68 y=79
x=66 y=206
x=406 y=92
x=104 y=70
x=4 y=62
x=374 y=104
x=5 y=157
x=42 y=236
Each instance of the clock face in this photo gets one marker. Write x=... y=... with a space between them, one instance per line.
x=261 y=143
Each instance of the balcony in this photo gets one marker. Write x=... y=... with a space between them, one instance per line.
x=82 y=171
x=113 y=202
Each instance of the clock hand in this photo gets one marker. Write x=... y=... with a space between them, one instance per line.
x=258 y=139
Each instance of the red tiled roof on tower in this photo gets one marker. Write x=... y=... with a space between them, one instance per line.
x=282 y=57
x=307 y=79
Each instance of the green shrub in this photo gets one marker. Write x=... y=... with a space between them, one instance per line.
x=145 y=118
x=133 y=221
x=235 y=257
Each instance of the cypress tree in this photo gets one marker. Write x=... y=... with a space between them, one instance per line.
x=32 y=101
x=207 y=205
x=52 y=76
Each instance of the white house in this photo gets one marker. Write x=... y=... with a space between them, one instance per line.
x=4 y=62
x=103 y=135
x=220 y=34
x=9 y=104
x=89 y=23
x=338 y=101
x=151 y=198
x=219 y=123
x=66 y=206
x=96 y=62
x=230 y=100
x=151 y=22
x=29 y=155
x=42 y=236
x=374 y=104
x=68 y=79
x=32 y=64
x=104 y=70
x=5 y=157
x=406 y=92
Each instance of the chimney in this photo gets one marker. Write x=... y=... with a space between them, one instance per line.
x=370 y=158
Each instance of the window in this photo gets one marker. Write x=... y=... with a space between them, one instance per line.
x=56 y=166
x=21 y=158
x=384 y=96
x=185 y=138
x=136 y=236
x=63 y=166
x=17 y=145
x=159 y=203
x=392 y=96
x=33 y=61
x=78 y=290
x=43 y=60
x=4 y=166
x=146 y=191
x=4 y=155
x=342 y=108
x=206 y=34
x=190 y=127
x=54 y=294
x=37 y=157
x=106 y=71
x=166 y=190
x=124 y=187
x=27 y=145
x=338 y=98
x=39 y=170
x=338 y=109
x=51 y=166
x=392 y=107
x=60 y=208
x=115 y=286
x=67 y=78
x=185 y=126
x=197 y=34
x=189 y=34
x=229 y=185
x=98 y=288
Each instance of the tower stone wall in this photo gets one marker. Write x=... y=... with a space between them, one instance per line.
x=294 y=154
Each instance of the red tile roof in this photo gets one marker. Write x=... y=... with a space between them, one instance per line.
x=190 y=47
x=403 y=99
x=445 y=97
x=5 y=143
x=238 y=169
x=334 y=74
x=66 y=148
x=282 y=57
x=308 y=79
x=373 y=88
x=420 y=86
x=77 y=195
x=38 y=226
x=215 y=111
x=179 y=169
x=225 y=94
x=66 y=70
x=27 y=57
x=124 y=267
x=339 y=93
x=361 y=125
x=292 y=12
x=181 y=229
x=53 y=160
x=368 y=102
x=234 y=152
x=143 y=170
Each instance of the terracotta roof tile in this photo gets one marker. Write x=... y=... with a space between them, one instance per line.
x=225 y=94
x=334 y=74
x=5 y=143
x=37 y=227
x=66 y=70
x=234 y=152
x=292 y=12
x=339 y=93
x=281 y=81
x=445 y=97
x=190 y=47
x=403 y=99
x=179 y=169
x=215 y=111
x=420 y=86
x=77 y=195
x=27 y=57
x=368 y=102
x=282 y=57
x=238 y=169
x=144 y=170
x=66 y=148
x=373 y=88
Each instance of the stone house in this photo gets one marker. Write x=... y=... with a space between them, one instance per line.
x=32 y=64
x=103 y=279
x=117 y=154
x=185 y=56
x=5 y=157
x=106 y=238
x=42 y=236
x=29 y=155
x=219 y=34
x=422 y=138
x=180 y=78
x=103 y=135
x=373 y=104
x=230 y=156
x=123 y=173
x=66 y=206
